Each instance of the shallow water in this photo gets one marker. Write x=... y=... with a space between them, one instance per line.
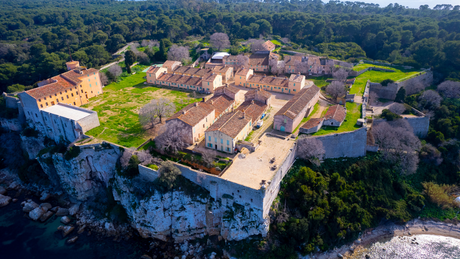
x=416 y=247
x=23 y=238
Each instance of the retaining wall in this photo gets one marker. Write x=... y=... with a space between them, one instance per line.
x=420 y=125
x=10 y=124
x=389 y=92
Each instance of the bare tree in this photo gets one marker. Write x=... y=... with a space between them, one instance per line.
x=242 y=61
x=449 y=89
x=150 y=43
x=340 y=74
x=397 y=108
x=430 y=100
x=103 y=77
x=302 y=67
x=336 y=89
x=414 y=86
x=219 y=40
x=276 y=66
x=135 y=45
x=311 y=149
x=173 y=136
x=430 y=154
x=178 y=53
x=124 y=159
x=256 y=45
x=208 y=157
x=115 y=70
x=144 y=157
x=157 y=108
x=398 y=144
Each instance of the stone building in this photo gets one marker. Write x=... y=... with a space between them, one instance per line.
x=335 y=116
x=311 y=126
x=227 y=130
x=225 y=71
x=299 y=107
x=171 y=65
x=231 y=91
x=311 y=64
x=196 y=118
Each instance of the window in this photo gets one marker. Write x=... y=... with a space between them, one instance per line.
x=62 y=98
x=221 y=141
x=36 y=114
x=96 y=83
x=215 y=139
x=46 y=104
x=89 y=85
x=41 y=106
x=82 y=91
x=66 y=91
x=209 y=145
x=228 y=149
x=74 y=103
x=71 y=94
x=285 y=120
x=67 y=96
x=228 y=142
x=209 y=137
x=294 y=84
x=60 y=92
x=44 y=98
x=57 y=100
x=55 y=94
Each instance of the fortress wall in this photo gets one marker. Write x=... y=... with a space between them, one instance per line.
x=10 y=124
x=348 y=144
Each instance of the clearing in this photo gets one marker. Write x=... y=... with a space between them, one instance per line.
x=353 y=114
x=119 y=105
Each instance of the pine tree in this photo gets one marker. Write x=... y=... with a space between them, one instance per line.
x=130 y=59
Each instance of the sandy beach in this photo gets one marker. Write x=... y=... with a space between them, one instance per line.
x=387 y=231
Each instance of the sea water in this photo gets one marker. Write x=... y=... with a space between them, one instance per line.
x=21 y=237
x=416 y=247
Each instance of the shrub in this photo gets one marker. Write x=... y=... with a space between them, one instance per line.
x=168 y=174
x=29 y=132
x=439 y=194
x=390 y=116
x=153 y=166
x=73 y=152
x=386 y=82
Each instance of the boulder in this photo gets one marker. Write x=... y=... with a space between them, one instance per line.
x=4 y=200
x=74 y=209
x=46 y=205
x=72 y=240
x=81 y=229
x=45 y=196
x=46 y=216
x=2 y=190
x=36 y=213
x=29 y=205
x=66 y=230
x=13 y=186
x=54 y=209
x=65 y=220
x=62 y=212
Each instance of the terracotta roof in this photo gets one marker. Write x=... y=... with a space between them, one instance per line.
x=220 y=103
x=210 y=77
x=258 y=59
x=292 y=60
x=311 y=123
x=60 y=83
x=268 y=45
x=296 y=77
x=269 y=80
x=297 y=103
x=171 y=63
x=253 y=109
x=231 y=124
x=260 y=93
x=242 y=71
x=153 y=69
x=336 y=112
x=222 y=89
x=221 y=69
x=193 y=113
x=180 y=79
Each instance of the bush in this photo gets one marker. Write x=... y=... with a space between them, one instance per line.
x=386 y=82
x=73 y=152
x=439 y=194
x=168 y=174
x=30 y=132
x=132 y=170
x=390 y=116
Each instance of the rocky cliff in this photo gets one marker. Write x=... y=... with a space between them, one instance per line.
x=182 y=213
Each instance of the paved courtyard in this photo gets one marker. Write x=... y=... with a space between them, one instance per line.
x=250 y=171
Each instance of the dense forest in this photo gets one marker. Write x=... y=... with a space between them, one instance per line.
x=37 y=36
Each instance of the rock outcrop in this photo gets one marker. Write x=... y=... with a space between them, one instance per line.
x=33 y=145
x=82 y=176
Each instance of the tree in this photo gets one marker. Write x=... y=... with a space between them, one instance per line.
x=130 y=59
x=242 y=61
x=430 y=100
x=157 y=108
x=256 y=45
x=178 y=53
x=161 y=55
x=414 y=86
x=103 y=77
x=113 y=72
x=15 y=88
x=397 y=108
x=430 y=154
x=208 y=158
x=340 y=74
x=336 y=89
x=389 y=115
x=449 y=89
x=311 y=149
x=398 y=144
x=173 y=137
x=168 y=174
x=277 y=67
x=400 y=95
x=219 y=40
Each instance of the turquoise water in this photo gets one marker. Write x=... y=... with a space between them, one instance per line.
x=23 y=238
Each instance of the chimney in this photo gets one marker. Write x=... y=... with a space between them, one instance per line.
x=203 y=99
x=196 y=104
x=184 y=112
x=252 y=102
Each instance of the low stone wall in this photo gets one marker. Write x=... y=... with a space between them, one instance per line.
x=420 y=125
x=249 y=145
x=148 y=174
x=348 y=144
x=389 y=92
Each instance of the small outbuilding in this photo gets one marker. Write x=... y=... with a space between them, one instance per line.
x=311 y=126
x=335 y=116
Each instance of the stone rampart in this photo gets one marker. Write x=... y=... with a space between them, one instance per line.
x=10 y=124
x=420 y=124
x=348 y=144
x=389 y=92
x=148 y=174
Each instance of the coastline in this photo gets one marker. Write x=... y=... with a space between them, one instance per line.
x=390 y=230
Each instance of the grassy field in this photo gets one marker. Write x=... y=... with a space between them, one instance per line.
x=362 y=66
x=119 y=105
x=319 y=81
x=379 y=76
x=353 y=114
x=276 y=42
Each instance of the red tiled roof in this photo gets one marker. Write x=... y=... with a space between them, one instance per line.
x=231 y=124
x=258 y=59
x=336 y=112
x=64 y=81
x=153 y=69
x=193 y=113
x=242 y=71
x=171 y=63
x=221 y=90
x=221 y=69
x=292 y=60
x=220 y=103
x=297 y=103
x=269 y=80
x=311 y=123
x=268 y=45
x=253 y=109
x=261 y=93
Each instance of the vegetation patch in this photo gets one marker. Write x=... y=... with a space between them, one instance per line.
x=353 y=114
x=73 y=152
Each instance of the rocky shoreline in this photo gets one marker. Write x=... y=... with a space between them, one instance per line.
x=447 y=228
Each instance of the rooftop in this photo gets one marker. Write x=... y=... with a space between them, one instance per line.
x=336 y=112
x=253 y=109
x=68 y=111
x=220 y=103
x=313 y=122
x=193 y=113
x=231 y=124
x=220 y=55
x=292 y=108
x=269 y=80
x=242 y=71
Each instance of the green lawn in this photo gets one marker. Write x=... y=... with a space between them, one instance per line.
x=362 y=66
x=319 y=81
x=118 y=108
x=276 y=42
x=315 y=109
x=379 y=76
x=353 y=114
